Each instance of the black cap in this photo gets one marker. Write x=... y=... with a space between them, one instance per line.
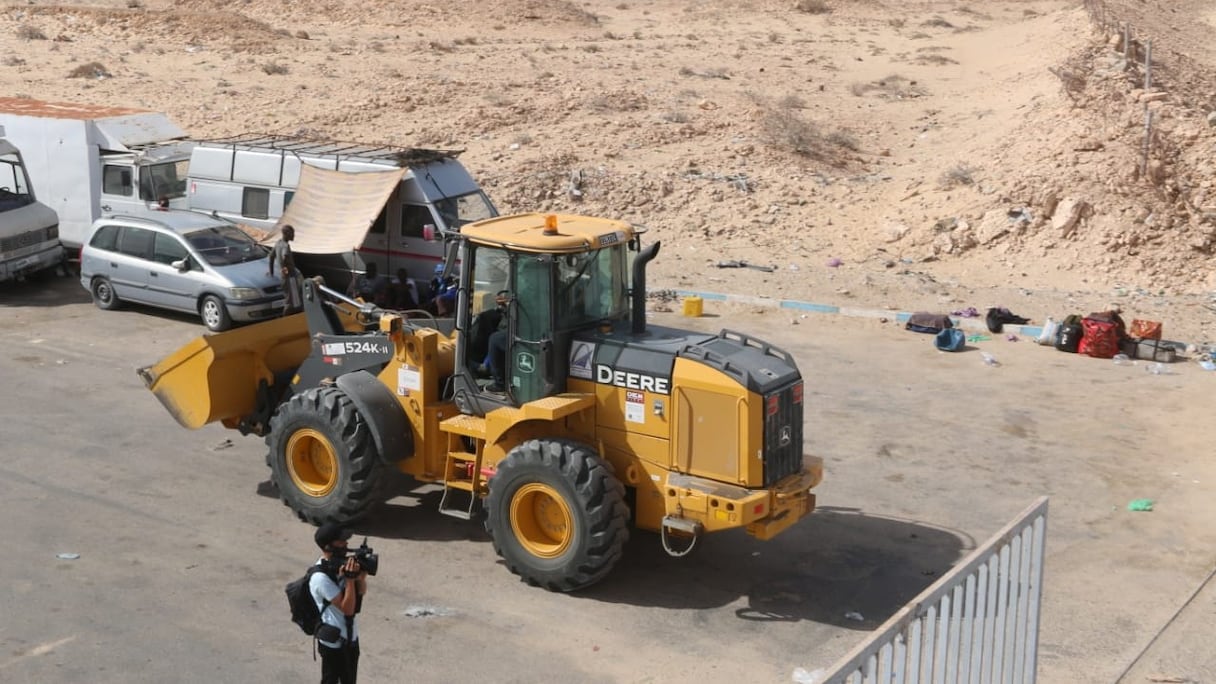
x=330 y=533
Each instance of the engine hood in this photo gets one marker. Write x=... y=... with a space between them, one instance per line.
x=645 y=362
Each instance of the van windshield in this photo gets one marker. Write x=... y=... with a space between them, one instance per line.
x=462 y=209
x=14 y=187
x=225 y=245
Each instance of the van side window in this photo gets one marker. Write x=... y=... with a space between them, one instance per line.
x=116 y=180
x=136 y=242
x=167 y=249
x=378 y=226
x=413 y=218
x=255 y=203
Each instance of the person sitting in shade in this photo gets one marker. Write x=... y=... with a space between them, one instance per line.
x=370 y=286
x=404 y=291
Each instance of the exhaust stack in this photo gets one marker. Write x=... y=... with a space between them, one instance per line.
x=638 y=315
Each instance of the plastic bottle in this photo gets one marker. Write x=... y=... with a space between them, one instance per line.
x=1123 y=360
x=1155 y=368
x=989 y=359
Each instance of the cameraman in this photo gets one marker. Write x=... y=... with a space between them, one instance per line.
x=338 y=590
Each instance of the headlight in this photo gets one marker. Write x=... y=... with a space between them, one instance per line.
x=243 y=292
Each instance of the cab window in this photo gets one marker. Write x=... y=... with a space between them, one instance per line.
x=413 y=218
x=116 y=180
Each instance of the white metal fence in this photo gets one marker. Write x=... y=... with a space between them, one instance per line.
x=979 y=623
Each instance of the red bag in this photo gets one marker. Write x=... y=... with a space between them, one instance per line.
x=1101 y=338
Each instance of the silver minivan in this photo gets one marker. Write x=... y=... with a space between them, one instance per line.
x=183 y=261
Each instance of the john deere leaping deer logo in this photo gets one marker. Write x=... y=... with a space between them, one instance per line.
x=525 y=362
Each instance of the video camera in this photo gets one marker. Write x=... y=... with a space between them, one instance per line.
x=365 y=556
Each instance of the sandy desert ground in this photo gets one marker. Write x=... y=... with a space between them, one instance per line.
x=944 y=154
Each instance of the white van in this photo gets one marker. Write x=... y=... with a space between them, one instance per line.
x=251 y=179
x=29 y=230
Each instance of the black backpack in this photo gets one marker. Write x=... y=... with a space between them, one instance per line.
x=303 y=608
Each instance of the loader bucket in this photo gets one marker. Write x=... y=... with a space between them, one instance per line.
x=215 y=377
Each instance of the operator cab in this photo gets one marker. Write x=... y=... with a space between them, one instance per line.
x=528 y=283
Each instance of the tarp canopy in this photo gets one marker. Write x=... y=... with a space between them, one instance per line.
x=333 y=210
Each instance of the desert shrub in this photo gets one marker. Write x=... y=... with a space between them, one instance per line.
x=812 y=6
x=959 y=174
x=785 y=130
x=27 y=32
x=89 y=70
x=274 y=69
x=843 y=139
x=935 y=60
x=791 y=102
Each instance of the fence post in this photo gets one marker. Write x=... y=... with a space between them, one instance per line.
x=1148 y=65
x=1148 y=134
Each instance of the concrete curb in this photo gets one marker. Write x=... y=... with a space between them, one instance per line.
x=1023 y=331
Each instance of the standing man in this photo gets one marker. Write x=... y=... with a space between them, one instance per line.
x=338 y=590
x=288 y=272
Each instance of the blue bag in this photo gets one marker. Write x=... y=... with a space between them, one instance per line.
x=950 y=339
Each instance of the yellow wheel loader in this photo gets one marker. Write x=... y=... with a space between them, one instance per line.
x=546 y=403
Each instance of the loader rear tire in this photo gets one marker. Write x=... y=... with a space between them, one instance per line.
x=322 y=457
x=557 y=514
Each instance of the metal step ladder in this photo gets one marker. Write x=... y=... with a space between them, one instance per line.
x=461 y=482
x=462 y=477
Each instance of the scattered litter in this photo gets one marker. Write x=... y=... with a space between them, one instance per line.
x=1207 y=365
x=1140 y=505
x=802 y=676
x=1011 y=337
x=834 y=262
x=226 y=444
x=978 y=338
x=744 y=264
x=1169 y=679
x=425 y=611
x=989 y=359
x=1123 y=360
x=67 y=556
x=1156 y=369
x=969 y=312
x=853 y=615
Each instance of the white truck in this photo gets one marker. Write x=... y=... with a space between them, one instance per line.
x=251 y=179
x=87 y=160
x=29 y=230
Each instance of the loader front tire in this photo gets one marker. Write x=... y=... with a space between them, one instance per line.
x=557 y=514
x=322 y=457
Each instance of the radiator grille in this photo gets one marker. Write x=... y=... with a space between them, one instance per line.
x=782 y=433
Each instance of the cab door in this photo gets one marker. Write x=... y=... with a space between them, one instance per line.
x=530 y=327
x=118 y=189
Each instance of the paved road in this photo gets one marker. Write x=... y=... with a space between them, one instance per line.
x=182 y=555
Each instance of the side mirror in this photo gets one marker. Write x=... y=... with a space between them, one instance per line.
x=181 y=265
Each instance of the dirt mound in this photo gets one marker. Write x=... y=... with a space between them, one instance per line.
x=224 y=29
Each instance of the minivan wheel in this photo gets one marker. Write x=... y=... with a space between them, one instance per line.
x=214 y=313
x=103 y=294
